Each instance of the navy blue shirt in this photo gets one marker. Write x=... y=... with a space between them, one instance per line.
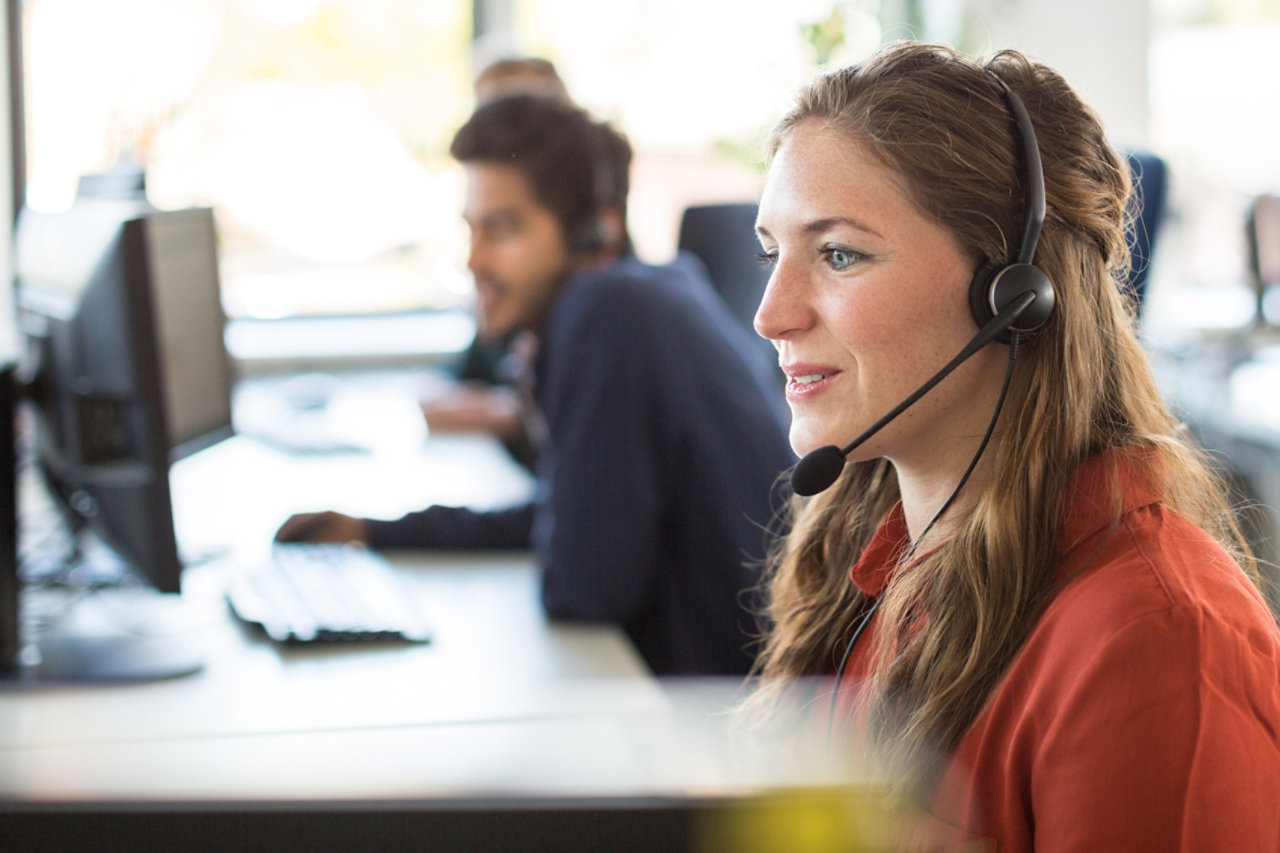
x=666 y=439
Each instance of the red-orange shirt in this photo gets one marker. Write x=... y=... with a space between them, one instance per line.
x=1143 y=712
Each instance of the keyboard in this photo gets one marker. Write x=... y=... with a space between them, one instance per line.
x=313 y=593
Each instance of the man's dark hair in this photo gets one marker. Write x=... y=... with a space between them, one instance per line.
x=576 y=167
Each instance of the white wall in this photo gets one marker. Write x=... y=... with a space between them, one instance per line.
x=1100 y=46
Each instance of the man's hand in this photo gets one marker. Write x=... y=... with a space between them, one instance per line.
x=468 y=408
x=325 y=526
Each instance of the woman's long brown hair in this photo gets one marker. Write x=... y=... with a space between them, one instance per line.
x=956 y=620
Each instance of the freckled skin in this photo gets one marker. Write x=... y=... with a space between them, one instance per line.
x=872 y=294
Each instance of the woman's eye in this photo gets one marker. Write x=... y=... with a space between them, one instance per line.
x=841 y=258
x=767 y=260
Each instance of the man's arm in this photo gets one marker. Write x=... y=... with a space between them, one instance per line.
x=443 y=527
x=454 y=528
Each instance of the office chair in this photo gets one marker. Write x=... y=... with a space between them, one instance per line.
x=1150 y=190
x=723 y=237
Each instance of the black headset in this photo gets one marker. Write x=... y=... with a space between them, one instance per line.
x=588 y=234
x=994 y=289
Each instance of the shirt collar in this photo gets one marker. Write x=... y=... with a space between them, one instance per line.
x=873 y=569
x=1102 y=489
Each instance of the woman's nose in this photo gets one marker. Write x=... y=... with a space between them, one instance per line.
x=783 y=309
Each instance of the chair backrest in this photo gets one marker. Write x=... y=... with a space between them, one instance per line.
x=1147 y=204
x=723 y=237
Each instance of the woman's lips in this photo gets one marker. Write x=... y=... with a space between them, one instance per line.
x=805 y=380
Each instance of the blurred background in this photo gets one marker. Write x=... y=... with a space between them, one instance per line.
x=318 y=129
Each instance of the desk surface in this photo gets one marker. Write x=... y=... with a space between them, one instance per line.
x=503 y=704
x=467 y=712
x=507 y=731
x=262 y=720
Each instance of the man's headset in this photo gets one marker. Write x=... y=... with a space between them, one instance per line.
x=1017 y=297
x=589 y=234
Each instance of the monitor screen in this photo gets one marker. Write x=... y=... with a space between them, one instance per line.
x=193 y=368
x=125 y=367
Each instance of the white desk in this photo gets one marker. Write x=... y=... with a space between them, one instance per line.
x=266 y=721
x=505 y=729
x=494 y=659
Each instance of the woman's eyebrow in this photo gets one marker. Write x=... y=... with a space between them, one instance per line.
x=818 y=226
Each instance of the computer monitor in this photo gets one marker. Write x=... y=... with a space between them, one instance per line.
x=125 y=369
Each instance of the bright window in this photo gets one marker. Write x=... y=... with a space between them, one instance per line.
x=316 y=129
x=1213 y=87
x=694 y=85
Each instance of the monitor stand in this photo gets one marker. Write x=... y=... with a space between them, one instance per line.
x=88 y=634
x=125 y=634
x=103 y=659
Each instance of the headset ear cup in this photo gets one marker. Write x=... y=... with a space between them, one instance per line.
x=994 y=290
x=979 y=295
x=587 y=236
x=1015 y=280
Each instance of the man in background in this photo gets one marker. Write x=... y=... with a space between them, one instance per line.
x=482 y=397
x=660 y=439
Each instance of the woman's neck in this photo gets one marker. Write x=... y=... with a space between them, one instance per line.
x=926 y=489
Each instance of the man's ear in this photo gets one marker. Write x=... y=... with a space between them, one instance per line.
x=613 y=230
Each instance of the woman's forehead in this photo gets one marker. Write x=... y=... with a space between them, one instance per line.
x=820 y=171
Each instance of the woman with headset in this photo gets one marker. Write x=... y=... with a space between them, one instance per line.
x=1025 y=580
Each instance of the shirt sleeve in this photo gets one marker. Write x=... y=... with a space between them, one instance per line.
x=597 y=532
x=455 y=528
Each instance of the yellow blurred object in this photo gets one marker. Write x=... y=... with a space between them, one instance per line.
x=820 y=820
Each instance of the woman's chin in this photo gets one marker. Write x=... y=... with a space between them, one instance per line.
x=805 y=441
